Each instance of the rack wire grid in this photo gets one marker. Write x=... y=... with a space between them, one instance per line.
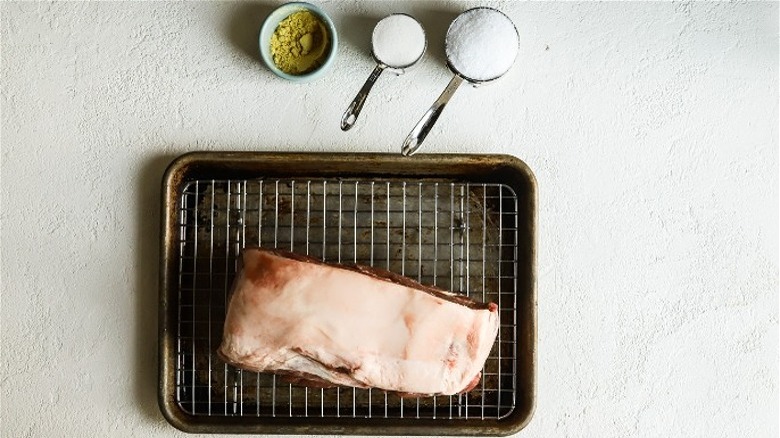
x=458 y=236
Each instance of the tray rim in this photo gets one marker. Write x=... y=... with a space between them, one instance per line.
x=324 y=165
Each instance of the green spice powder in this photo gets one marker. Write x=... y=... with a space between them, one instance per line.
x=299 y=42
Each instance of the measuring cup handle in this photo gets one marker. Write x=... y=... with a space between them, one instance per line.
x=424 y=126
x=350 y=115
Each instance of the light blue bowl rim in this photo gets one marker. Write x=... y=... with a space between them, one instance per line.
x=265 y=53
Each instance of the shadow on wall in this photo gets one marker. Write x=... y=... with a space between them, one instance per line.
x=436 y=22
x=355 y=30
x=147 y=262
x=244 y=26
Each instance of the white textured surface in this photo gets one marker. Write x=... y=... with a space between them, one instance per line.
x=652 y=129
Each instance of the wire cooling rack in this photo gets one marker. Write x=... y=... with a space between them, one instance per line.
x=458 y=236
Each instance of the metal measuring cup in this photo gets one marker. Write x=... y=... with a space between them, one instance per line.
x=350 y=115
x=420 y=131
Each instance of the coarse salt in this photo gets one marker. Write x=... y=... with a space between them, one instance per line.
x=482 y=44
x=398 y=41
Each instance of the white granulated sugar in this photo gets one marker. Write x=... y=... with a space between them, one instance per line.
x=398 y=41
x=482 y=44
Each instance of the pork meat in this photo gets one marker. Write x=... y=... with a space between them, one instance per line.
x=323 y=325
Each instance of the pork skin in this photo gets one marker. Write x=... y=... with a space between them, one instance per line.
x=321 y=324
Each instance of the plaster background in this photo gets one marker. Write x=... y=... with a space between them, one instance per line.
x=652 y=129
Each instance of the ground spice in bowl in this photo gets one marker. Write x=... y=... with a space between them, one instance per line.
x=299 y=43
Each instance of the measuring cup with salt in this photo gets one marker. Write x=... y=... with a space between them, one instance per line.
x=397 y=43
x=481 y=46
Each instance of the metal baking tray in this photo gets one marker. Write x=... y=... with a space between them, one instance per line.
x=466 y=223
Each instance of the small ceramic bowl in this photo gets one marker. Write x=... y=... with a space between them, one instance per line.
x=272 y=22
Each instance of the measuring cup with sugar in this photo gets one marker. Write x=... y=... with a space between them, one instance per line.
x=481 y=46
x=397 y=43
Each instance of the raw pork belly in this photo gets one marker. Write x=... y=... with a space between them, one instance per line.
x=323 y=325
